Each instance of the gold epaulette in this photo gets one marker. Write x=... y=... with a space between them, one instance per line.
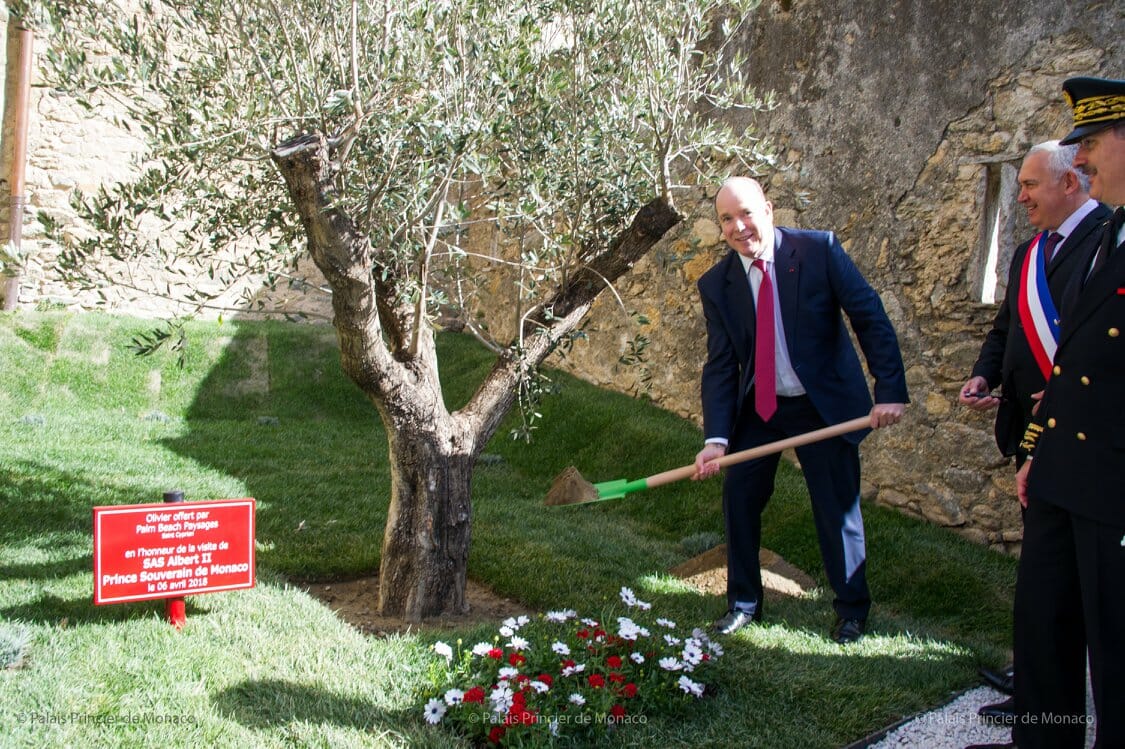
x=1030 y=437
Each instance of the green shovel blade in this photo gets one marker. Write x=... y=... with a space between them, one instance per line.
x=619 y=488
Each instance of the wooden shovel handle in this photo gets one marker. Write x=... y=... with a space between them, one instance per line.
x=676 y=474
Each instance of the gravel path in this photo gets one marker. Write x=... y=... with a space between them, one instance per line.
x=955 y=725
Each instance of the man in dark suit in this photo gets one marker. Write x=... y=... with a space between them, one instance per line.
x=780 y=363
x=1070 y=595
x=1017 y=352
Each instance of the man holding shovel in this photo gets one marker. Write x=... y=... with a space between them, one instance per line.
x=780 y=363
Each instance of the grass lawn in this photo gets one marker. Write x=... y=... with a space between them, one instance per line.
x=263 y=410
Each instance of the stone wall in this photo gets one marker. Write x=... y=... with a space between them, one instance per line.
x=900 y=126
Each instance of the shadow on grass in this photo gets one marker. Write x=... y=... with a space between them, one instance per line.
x=54 y=610
x=46 y=527
x=268 y=703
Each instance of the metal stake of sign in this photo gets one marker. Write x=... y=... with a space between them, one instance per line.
x=175 y=608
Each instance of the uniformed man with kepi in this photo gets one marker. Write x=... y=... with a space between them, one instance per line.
x=1070 y=591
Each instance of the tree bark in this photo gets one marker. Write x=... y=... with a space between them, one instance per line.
x=432 y=452
x=425 y=554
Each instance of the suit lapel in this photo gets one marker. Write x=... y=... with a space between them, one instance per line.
x=787 y=269
x=1100 y=286
x=741 y=301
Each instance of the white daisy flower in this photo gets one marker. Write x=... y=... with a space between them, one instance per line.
x=692 y=654
x=508 y=672
x=501 y=699
x=690 y=687
x=434 y=710
x=561 y=648
x=443 y=650
x=454 y=697
x=481 y=649
x=577 y=699
x=673 y=641
x=558 y=617
x=506 y=631
x=666 y=623
x=636 y=658
x=670 y=664
x=518 y=643
x=627 y=629
x=539 y=686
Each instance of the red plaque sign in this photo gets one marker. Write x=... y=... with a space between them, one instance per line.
x=168 y=550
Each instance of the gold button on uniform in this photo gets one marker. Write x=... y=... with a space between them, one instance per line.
x=1081 y=435
x=1051 y=423
x=1057 y=370
x=1114 y=332
x=1085 y=380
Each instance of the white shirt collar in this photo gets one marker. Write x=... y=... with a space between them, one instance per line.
x=1066 y=227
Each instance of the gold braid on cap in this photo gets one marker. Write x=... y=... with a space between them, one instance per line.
x=1030 y=437
x=1099 y=109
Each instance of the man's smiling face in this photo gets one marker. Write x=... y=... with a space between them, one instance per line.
x=745 y=218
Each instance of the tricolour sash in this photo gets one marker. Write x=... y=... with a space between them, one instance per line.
x=1037 y=311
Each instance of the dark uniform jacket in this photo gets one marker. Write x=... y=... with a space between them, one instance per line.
x=1078 y=437
x=1005 y=358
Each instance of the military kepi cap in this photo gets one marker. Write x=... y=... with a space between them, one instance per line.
x=1097 y=104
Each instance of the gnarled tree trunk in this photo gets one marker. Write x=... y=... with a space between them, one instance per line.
x=432 y=452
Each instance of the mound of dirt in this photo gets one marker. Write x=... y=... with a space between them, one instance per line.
x=354 y=600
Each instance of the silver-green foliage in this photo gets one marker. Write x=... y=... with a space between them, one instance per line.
x=550 y=122
x=14 y=641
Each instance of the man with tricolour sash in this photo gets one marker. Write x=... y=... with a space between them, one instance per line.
x=1018 y=352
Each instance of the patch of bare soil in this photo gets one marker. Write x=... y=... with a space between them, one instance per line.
x=354 y=600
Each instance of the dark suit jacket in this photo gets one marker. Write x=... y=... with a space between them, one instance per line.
x=1080 y=456
x=817 y=284
x=1005 y=358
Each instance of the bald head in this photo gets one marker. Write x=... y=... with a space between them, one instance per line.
x=745 y=217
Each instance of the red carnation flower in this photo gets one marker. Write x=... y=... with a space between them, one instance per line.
x=568 y=663
x=516 y=659
x=496 y=734
x=476 y=694
x=597 y=680
x=617 y=711
x=617 y=678
x=546 y=679
x=496 y=653
x=614 y=661
x=629 y=690
x=583 y=633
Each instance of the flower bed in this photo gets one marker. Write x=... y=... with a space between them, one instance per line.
x=566 y=677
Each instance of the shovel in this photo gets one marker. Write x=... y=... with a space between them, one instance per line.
x=569 y=488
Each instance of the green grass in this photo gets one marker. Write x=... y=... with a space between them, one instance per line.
x=263 y=410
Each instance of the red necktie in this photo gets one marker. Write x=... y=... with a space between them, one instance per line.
x=765 y=371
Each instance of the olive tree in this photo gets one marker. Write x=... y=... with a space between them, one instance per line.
x=380 y=137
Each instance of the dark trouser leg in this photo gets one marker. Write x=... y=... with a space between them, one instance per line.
x=1050 y=638
x=746 y=490
x=1101 y=569
x=831 y=471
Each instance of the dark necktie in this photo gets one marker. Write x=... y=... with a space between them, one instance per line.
x=765 y=370
x=1108 y=243
x=1053 y=240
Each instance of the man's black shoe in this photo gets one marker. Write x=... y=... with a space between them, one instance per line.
x=1003 y=681
x=733 y=621
x=846 y=631
x=1002 y=713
